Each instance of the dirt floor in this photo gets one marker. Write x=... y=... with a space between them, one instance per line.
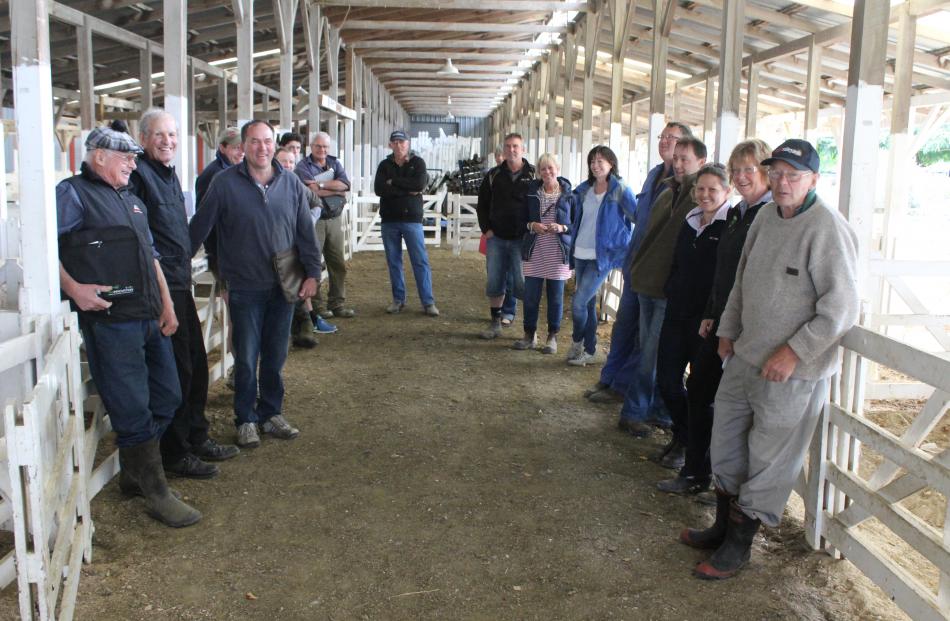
x=440 y=476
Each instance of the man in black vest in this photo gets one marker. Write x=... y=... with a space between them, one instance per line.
x=109 y=270
x=186 y=442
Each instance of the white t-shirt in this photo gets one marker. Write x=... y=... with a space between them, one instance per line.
x=585 y=245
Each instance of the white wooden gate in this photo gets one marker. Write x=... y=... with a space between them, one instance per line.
x=462 y=231
x=366 y=223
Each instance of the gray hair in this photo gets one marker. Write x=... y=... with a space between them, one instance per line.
x=320 y=135
x=150 y=116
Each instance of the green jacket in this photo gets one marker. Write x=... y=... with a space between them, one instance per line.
x=651 y=265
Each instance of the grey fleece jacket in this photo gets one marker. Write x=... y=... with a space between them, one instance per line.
x=796 y=284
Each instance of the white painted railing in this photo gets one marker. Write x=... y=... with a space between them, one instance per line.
x=461 y=229
x=366 y=228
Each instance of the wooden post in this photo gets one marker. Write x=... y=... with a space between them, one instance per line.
x=622 y=17
x=222 y=103
x=662 y=24
x=332 y=43
x=33 y=105
x=727 y=106
x=862 y=123
x=812 y=92
x=176 y=87
x=87 y=93
x=145 y=76
x=752 y=102
x=541 y=93
x=245 y=60
x=311 y=18
x=553 y=77
x=591 y=35
x=284 y=13
x=568 y=156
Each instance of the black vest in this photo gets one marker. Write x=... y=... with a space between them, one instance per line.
x=158 y=186
x=107 y=210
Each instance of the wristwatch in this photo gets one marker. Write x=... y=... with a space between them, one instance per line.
x=320 y=185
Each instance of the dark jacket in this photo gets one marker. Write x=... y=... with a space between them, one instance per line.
x=202 y=183
x=651 y=190
x=614 y=218
x=159 y=188
x=254 y=224
x=691 y=273
x=399 y=189
x=564 y=214
x=105 y=209
x=727 y=256
x=651 y=264
x=501 y=201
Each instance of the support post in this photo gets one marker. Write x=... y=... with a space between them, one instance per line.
x=553 y=77
x=752 y=102
x=727 y=106
x=622 y=16
x=33 y=104
x=862 y=124
x=245 y=61
x=284 y=13
x=591 y=32
x=176 y=88
x=87 y=93
x=568 y=156
x=145 y=76
x=222 y=104
x=709 y=109
x=312 y=19
x=812 y=92
x=662 y=14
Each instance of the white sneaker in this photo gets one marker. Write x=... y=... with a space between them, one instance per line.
x=247 y=435
x=582 y=360
x=278 y=427
x=577 y=348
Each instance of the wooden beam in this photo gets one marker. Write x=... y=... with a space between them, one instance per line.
x=87 y=113
x=375 y=24
x=727 y=104
x=371 y=53
x=245 y=68
x=534 y=6
x=176 y=102
x=145 y=76
x=451 y=43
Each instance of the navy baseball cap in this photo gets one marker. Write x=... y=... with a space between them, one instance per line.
x=398 y=135
x=106 y=138
x=797 y=153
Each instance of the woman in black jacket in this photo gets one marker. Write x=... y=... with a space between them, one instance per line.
x=687 y=290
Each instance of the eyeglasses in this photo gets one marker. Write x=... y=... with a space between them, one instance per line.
x=791 y=177
x=748 y=170
x=666 y=137
x=128 y=158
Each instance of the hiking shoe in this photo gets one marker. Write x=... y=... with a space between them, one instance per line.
x=528 y=341
x=431 y=310
x=493 y=331
x=326 y=314
x=278 y=427
x=190 y=467
x=322 y=326
x=684 y=485
x=635 y=428
x=577 y=348
x=211 y=450
x=247 y=436
x=395 y=307
x=550 y=346
x=675 y=458
x=345 y=313
x=595 y=388
x=605 y=395
x=582 y=360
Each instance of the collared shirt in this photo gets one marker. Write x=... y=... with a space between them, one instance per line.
x=307 y=169
x=743 y=205
x=810 y=199
x=695 y=217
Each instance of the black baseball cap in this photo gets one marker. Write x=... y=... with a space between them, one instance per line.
x=797 y=153
x=398 y=135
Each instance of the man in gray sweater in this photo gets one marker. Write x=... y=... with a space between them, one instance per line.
x=794 y=297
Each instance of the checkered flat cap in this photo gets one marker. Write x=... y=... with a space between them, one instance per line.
x=105 y=138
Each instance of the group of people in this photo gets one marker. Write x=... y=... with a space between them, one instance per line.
x=750 y=298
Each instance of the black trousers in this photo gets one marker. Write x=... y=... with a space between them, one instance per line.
x=679 y=341
x=189 y=427
x=701 y=387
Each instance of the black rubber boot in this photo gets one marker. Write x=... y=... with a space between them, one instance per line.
x=144 y=466
x=734 y=551
x=302 y=329
x=712 y=537
x=128 y=486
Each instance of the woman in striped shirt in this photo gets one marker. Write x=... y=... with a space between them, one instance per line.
x=550 y=206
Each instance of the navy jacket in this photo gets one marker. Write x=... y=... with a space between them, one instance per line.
x=501 y=201
x=564 y=214
x=691 y=274
x=614 y=229
x=254 y=224
x=400 y=199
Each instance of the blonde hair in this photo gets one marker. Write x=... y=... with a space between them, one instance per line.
x=754 y=149
x=548 y=158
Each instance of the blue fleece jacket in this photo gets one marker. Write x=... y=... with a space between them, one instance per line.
x=614 y=222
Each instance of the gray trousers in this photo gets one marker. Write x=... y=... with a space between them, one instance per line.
x=330 y=237
x=761 y=433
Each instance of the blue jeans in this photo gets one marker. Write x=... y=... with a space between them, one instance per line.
x=624 y=353
x=587 y=282
x=260 y=320
x=393 y=235
x=509 y=307
x=503 y=261
x=639 y=402
x=532 y=303
x=125 y=357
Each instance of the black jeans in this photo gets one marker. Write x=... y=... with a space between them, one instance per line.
x=190 y=426
x=701 y=387
x=679 y=341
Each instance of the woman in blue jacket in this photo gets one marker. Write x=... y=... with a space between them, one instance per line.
x=602 y=229
x=545 y=250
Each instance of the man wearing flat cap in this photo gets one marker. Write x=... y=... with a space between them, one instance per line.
x=794 y=297
x=400 y=179
x=109 y=271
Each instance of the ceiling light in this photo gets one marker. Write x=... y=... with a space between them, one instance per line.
x=448 y=68
x=450 y=116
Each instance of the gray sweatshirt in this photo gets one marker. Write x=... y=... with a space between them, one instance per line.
x=796 y=284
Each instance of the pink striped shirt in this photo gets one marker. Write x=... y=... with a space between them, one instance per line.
x=546 y=258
